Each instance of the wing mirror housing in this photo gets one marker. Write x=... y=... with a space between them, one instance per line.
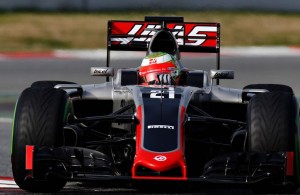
x=102 y=71
x=221 y=74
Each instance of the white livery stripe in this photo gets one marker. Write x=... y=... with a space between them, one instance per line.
x=156 y=59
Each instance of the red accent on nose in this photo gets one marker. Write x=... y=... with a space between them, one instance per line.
x=159 y=162
x=29 y=157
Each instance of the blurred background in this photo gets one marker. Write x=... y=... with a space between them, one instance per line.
x=31 y=25
x=62 y=39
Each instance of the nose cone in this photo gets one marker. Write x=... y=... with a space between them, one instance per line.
x=159 y=165
x=160 y=148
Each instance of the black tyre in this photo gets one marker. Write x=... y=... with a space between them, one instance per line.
x=49 y=83
x=39 y=119
x=271 y=87
x=272 y=122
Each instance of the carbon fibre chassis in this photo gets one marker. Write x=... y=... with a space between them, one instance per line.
x=81 y=164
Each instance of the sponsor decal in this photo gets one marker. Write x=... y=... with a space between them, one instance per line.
x=198 y=32
x=189 y=34
x=160 y=127
x=152 y=61
x=160 y=158
x=223 y=74
x=157 y=59
x=100 y=71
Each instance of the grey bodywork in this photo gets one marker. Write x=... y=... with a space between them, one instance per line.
x=114 y=91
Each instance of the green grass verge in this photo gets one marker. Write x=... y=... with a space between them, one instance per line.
x=36 y=31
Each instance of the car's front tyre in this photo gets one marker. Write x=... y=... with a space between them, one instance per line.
x=273 y=125
x=38 y=120
x=50 y=84
x=271 y=87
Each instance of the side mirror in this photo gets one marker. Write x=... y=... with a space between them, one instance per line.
x=102 y=71
x=221 y=74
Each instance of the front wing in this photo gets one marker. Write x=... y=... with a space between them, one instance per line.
x=81 y=164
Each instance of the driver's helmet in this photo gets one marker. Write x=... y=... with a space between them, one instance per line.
x=156 y=64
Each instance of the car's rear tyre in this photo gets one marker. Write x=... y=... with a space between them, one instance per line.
x=271 y=87
x=49 y=83
x=272 y=124
x=39 y=118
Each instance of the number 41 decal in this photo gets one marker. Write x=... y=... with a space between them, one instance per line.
x=160 y=94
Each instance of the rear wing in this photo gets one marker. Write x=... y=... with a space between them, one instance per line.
x=190 y=36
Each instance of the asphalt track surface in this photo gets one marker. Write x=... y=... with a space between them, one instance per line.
x=17 y=74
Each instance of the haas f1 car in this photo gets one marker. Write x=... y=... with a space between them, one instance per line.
x=158 y=122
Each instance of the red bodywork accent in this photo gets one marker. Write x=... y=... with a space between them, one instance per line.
x=192 y=32
x=173 y=159
x=290 y=163
x=29 y=157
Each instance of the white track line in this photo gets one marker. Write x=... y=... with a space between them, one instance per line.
x=9 y=186
x=7 y=183
x=6 y=120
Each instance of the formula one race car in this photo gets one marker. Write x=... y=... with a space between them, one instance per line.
x=158 y=122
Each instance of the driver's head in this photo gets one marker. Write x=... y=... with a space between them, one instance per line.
x=156 y=64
